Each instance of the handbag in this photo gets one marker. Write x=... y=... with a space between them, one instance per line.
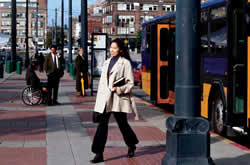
x=96 y=117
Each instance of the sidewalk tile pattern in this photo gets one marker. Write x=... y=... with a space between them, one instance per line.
x=22 y=156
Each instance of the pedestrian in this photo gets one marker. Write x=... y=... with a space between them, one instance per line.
x=81 y=71
x=114 y=100
x=54 y=70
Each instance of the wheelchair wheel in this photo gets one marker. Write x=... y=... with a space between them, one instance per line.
x=31 y=96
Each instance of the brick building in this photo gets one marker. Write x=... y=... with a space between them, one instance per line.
x=5 y=20
x=123 y=18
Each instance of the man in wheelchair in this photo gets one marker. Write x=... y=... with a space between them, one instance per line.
x=33 y=80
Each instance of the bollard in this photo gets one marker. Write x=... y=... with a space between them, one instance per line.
x=70 y=69
x=8 y=66
x=1 y=69
x=18 y=67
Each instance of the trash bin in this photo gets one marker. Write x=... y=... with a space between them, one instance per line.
x=1 y=69
x=9 y=66
x=18 y=67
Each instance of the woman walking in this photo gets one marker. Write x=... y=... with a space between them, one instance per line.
x=114 y=99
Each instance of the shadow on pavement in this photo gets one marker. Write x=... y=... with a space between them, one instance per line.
x=238 y=160
x=142 y=151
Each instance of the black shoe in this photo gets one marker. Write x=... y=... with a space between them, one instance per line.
x=97 y=159
x=56 y=103
x=131 y=151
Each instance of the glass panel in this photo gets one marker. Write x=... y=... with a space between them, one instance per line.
x=218 y=13
x=164 y=82
x=164 y=40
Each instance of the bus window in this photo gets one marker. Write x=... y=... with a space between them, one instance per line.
x=217 y=13
x=239 y=59
x=164 y=50
x=218 y=34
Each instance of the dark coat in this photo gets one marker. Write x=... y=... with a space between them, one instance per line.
x=32 y=79
x=81 y=65
x=49 y=67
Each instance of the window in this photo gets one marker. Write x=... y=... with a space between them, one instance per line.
x=132 y=6
x=128 y=7
x=173 y=7
x=20 y=23
x=218 y=13
x=6 y=31
x=141 y=6
x=204 y=15
x=163 y=8
x=121 y=7
x=155 y=8
x=6 y=23
x=6 y=15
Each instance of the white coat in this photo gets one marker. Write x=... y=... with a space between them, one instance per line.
x=118 y=101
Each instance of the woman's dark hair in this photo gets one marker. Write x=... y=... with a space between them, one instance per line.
x=124 y=51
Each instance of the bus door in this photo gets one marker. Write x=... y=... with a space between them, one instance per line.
x=165 y=59
x=239 y=65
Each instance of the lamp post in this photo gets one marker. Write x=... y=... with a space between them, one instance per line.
x=13 y=33
x=36 y=27
x=84 y=28
x=62 y=30
x=188 y=139
x=70 y=32
x=27 y=35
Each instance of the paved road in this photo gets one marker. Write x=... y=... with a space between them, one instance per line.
x=62 y=135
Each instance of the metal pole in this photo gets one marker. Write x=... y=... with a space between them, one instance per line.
x=188 y=139
x=62 y=30
x=27 y=35
x=13 y=33
x=36 y=26
x=84 y=28
x=70 y=32
x=56 y=26
x=52 y=33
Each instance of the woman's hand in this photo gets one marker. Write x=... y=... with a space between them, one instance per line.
x=81 y=74
x=114 y=89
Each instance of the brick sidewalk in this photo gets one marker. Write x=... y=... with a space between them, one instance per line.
x=62 y=135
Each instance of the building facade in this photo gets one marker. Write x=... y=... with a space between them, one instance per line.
x=5 y=21
x=123 y=18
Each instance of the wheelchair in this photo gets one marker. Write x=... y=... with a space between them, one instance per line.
x=31 y=96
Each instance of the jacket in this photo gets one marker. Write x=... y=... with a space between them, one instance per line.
x=118 y=101
x=49 y=65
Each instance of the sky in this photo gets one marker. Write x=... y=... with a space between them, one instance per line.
x=76 y=8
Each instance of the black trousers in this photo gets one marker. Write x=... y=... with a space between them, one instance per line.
x=53 y=85
x=101 y=134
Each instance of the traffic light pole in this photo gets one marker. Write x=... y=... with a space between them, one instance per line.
x=188 y=139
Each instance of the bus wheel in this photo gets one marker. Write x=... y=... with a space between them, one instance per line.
x=217 y=123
